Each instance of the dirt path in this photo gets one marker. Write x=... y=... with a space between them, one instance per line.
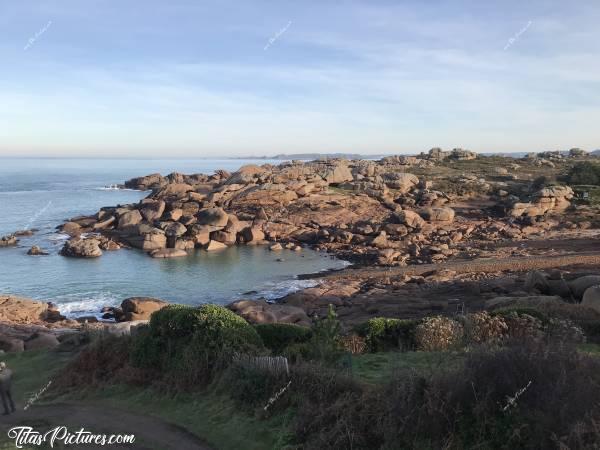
x=513 y=264
x=150 y=432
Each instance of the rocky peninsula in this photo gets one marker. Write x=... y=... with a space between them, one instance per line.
x=418 y=230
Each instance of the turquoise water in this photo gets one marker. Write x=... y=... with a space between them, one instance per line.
x=42 y=193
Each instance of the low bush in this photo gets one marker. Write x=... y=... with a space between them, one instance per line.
x=481 y=328
x=103 y=361
x=522 y=396
x=520 y=310
x=438 y=333
x=354 y=344
x=565 y=331
x=189 y=345
x=383 y=334
x=251 y=387
x=584 y=173
x=278 y=336
x=325 y=344
x=523 y=327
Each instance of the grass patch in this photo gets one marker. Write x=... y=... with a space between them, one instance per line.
x=213 y=417
x=33 y=370
x=589 y=348
x=375 y=368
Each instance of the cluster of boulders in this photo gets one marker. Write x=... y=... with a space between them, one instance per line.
x=457 y=154
x=584 y=289
x=25 y=324
x=372 y=209
x=548 y=199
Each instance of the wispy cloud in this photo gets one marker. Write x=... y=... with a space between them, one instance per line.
x=365 y=76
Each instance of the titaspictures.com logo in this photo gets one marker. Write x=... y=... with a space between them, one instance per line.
x=27 y=436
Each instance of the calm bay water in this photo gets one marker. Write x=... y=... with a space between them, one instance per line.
x=42 y=193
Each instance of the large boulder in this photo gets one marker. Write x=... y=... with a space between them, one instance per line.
x=336 y=173
x=581 y=284
x=82 y=248
x=140 y=308
x=537 y=281
x=268 y=194
x=152 y=210
x=214 y=246
x=246 y=174
x=409 y=218
x=403 y=182
x=260 y=311
x=174 y=229
x=174 y=191
x=226 y=237
x=37 y=251
x=71 y=228
x=21 y=310
x=252 y=234
x=168 y=253
x=129 y=219
x=8 y=241
x=215 y=217
x=444 y=214
x=591 y=298
x=152 y=240
x=152 y=181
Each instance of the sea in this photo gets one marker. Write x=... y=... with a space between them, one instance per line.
x=40 y=194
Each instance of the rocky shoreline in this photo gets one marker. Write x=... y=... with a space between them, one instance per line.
x=439 y=211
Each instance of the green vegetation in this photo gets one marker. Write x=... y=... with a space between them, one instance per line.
x=383 y=334
x=331 y=399
x=378 y=368
x=34 y=370
x=213 y=417
x=278 y=336
x=584 y=173
x=190 y=344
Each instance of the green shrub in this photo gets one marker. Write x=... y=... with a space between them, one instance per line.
x=519 y=311
x=189 y=345
x=250 y=387
x=586 y=173
x=278 y=336
x=383 y=334
x=325 y=344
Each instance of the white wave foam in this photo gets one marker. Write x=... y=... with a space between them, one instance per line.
x=58 y=237
x=85 y=303
x=277 y=289
x=115 y=187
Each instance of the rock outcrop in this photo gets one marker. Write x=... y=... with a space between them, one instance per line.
x=8 y=241
x=262 y=312
x=22 y=310
x=82 y=248
x=140 y=308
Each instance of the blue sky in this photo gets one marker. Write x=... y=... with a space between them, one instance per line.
x=194 y=79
